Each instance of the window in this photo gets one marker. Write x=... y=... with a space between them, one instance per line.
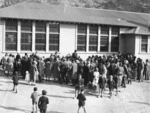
x=54 y=37
x=93 y=37
x=114 y=44
x=81 y=38
x=26 y=36
x=26 y=26
x=115 y=30
x=82 y=29
x=41 y=27
x=115 y=39
x=26 y=41
x=104 y=44
x=11 y=35
x=40 y=42
x=11 y=25
x=40 y=36
x=81 y=43
x=104 y=30
x=144 y=44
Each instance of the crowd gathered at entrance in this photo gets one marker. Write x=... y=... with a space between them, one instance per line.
x=96 y=72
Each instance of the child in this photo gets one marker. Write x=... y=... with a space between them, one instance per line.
x=34 y=97
x=81 y=97
x=27 y=78
x=111 y=84
x=43 y=101
x=79 y=85
x=101 y=82
x=15 y=79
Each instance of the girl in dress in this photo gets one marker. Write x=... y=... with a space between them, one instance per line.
x=96 y=78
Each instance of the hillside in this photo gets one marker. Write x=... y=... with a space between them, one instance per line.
x=121 y=5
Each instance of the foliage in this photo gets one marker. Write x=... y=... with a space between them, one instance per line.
x=123 y=5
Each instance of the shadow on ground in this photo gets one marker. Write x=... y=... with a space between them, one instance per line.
x=14 y=109
x=58 y=96
x=135 y=102
x=54 y=112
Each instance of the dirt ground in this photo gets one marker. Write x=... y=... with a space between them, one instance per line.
x=133 y=99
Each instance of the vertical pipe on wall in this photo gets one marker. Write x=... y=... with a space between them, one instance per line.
x=109 y=43
x=18 y=36
x=87 y=39
x=99 y=38
x=47 y=37
x=33 y=36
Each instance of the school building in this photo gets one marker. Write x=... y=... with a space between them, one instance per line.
x=29 y=27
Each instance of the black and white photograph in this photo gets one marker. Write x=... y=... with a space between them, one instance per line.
x=74 y=56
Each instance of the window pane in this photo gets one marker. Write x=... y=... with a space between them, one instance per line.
x=144 y=43
x=11 y=25
x=144 y=48
x=82 y=29
x=81 y=48
x=26 y=41
x=93 y=40
x=54 y=28
x=11 y=41
x=54 y=42
x=40 y=26
x=115 y=30
x=26 y=26
x=81 y=43
x=81 y=39
x=40 y=41
x=114 y=44
x=94 y=29
x=105 y=30
x=54 y=47
x=104 y=43
x=92 y=48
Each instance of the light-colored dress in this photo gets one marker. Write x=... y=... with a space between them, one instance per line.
x=96 y=78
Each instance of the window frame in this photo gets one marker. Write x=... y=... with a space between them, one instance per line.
x=81 y=27
x=55 y=31
x=146 y=43
x=26 y=24
x=11 y=31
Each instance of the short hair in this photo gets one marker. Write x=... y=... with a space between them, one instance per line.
x=35 y=89
x=44 y=92
x=82 y=89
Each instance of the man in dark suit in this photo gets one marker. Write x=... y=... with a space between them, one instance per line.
x=43 y=101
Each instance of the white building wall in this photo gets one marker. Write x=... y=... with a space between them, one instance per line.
x=138 y=52
x=67 y=39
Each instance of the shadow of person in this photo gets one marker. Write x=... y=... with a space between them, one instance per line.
x=146 y=103
x=58 y=96
x=54 y=112
x=14 y=109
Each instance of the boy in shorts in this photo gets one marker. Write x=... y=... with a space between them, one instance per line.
x=15 y=79
x=79 y=85
x=81 y=97
x=34 y=97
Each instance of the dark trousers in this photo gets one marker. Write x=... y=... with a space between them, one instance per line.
x=124 y=81
x=42 y=110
